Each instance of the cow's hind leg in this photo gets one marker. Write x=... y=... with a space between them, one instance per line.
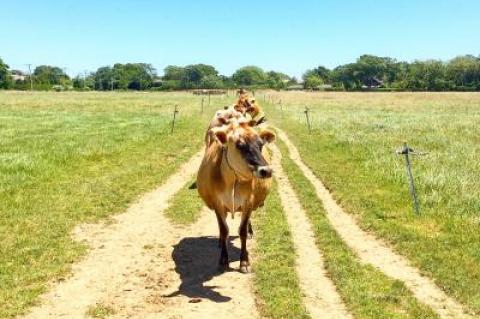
x=243 y=232
x=223 y=262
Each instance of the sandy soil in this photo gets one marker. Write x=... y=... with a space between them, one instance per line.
x=141 y=266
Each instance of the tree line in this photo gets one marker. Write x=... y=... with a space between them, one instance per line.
x=461 y=73
x=368 y=72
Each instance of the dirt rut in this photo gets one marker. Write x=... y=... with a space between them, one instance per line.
x=196 y=289
x=141 y=266
x=320 y=296
x=116 y=249
x=373 y=251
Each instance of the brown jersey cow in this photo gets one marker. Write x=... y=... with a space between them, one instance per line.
x=235 y=176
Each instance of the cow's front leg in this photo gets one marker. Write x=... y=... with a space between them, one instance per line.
x=250 y=229
x=223 y=262
x=243 y=232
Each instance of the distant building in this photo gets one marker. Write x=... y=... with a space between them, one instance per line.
x=295 y=87
x=324 y=87
x=299 y=87
x=18 y=75
x=373 y=83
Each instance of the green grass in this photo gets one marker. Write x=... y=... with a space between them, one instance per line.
x=351 y=148
x=276 y=282
x=100 y=311
x=68 y=158
x=367 y=292
x=185 y=206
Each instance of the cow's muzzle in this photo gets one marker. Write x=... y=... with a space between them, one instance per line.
x=263 y=172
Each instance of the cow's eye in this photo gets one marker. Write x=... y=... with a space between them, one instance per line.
x=242 y=146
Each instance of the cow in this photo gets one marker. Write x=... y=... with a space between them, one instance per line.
x=235 y=176
x=250 y=108
x=245 y=108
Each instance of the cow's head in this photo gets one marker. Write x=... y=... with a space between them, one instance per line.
x=243 y=146
x=245 y=104
x=227 y=115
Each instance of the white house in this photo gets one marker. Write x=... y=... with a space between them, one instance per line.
x=18 y=75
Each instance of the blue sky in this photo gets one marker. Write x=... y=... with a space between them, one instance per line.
x=289 y=36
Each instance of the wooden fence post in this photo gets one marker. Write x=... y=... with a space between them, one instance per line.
x=174 y=118
x=307 y=110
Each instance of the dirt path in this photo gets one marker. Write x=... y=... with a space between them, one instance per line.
x=130 y=268
x=373 y=251
x=194 y=260
x=321 y=297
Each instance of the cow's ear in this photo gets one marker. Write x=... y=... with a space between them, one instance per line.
x=220 y=134
x=267 y=136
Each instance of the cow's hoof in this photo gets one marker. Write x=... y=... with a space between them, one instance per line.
x=245 y=267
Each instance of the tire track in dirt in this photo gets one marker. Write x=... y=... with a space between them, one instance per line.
x=142 y=266
x=320 y=295
x=197 y=289
x=117 y=249
x=372 y=250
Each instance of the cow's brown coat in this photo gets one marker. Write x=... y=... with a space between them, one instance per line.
x=226 y=183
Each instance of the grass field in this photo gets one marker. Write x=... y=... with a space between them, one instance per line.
x=74 y=157
x=352 y=149
x=366 y=291
x=69 y=158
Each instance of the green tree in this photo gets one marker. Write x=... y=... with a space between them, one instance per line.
x=464 y=72
x=312 y=81
x=191 y=76
x=134 y=76
x=322 y=72
x=173 y=73
x=211 y=82
x=427 y=76
x=84 y=82
x=104 y=79
x=130 y=76
x=196 y=74
x=277 y=80
x=370 y=69
x=48 y=75
x=5 y=77
x=344 y=76
x=249 y=76
x=172 y=77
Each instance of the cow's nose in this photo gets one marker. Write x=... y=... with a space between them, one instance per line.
x=264 y=171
